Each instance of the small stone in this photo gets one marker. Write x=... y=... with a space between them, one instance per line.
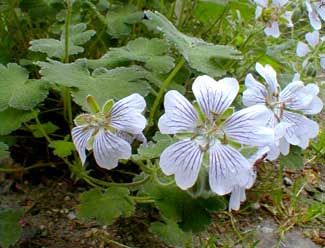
x=266 y=229
x=256 y=205
x=67 y=198
x=287 y=181
x=42 y=227
x=71 y=215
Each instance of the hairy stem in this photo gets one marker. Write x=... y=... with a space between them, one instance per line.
x=162 y=90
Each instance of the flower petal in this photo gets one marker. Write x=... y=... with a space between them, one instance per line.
x=183 y=159
x=258 y=12
x=288 y=16
x=237 y=196
x=312 y=38
x=126 y=114
x=279 y=3
x=108 y=149
x=272 y=29
x=248 y=126
x=320 y=9
x=284 y=147
x=255 y=92
x=228 y=168
x=302 y=127
x=263 y=3
x=269 y=75
x=314 y=20
x=180 y=116
x=322 y=61
x=214 y=96
x=80 y=137
x=302 y=49
x=314 y=107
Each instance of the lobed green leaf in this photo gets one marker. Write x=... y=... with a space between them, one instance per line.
x=106 y=206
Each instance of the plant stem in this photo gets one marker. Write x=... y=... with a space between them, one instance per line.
x=41 y=127
x=9 y=170
x=161 y=92
x=111 y=184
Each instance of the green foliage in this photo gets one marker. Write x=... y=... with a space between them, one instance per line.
x=106 y=206
x=102 y=84
x=11 y=119
x=56 y=48
x=171 y=233
x=120 y=19
x=4 y=150
x=154 y=149
x=10 y=229
x=201 y=56
x=294 y=160
x=48 y=127
x=62 y=148
x=17 y=91
x=150 y=52
x=192 y=214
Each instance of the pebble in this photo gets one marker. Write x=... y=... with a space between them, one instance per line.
x=287 y=181
x=71 y=215
x=266 y=229
x=67 y=198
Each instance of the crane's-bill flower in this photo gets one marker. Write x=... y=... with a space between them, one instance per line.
x=276 y=7
x=110 y=131
x=316 y=12
x=291 y=127
x=304 y=49
x=238 y=194
x=205 y=130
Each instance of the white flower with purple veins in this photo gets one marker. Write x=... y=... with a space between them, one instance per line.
x=206 y=131
x=290 y=126
x=238 y=194
x=316 y=12
x=108 y=131
x=274 y=12
x=314 y=43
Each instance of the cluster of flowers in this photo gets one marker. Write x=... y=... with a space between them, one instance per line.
x=273 y=12
x=211 y=136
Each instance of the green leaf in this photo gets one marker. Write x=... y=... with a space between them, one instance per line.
x=17 y=91
x=171 y=233
x=11 y=119
x=154 y=149
x=102 y=84
x=4 y=150
x=192 y=214
x=294 y=160
x=202 y=56
x=49 y=128
x=62 y=148
x=120 y=20
x=10 y=230
x=56 y=48
x=150 y=52
x=106 y=206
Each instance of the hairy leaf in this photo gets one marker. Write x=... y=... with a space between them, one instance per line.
x=120 y=20
x=192 y=214
x=11 y=119
x=171 y=233
x=17 y=91
x=106 y=206
x=201 y=55
x=150 y=52
x=62 y=148
x=102 y=84
x=49 y=128
x=4 y=150
x=56 y=48
x=10 y=229
x=294 y=160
